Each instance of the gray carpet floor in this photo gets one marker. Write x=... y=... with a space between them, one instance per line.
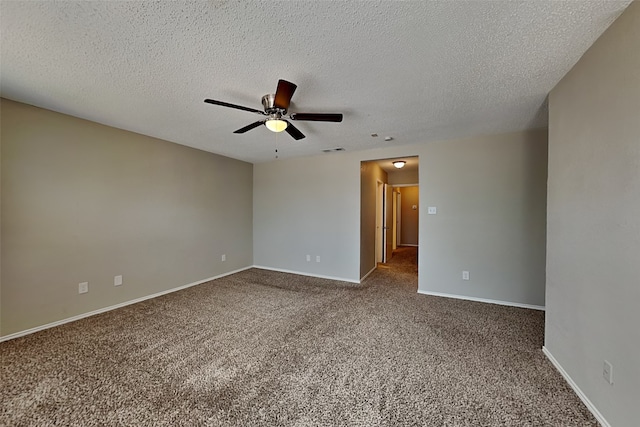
x=262 y=348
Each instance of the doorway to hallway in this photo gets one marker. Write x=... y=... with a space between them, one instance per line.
x=389 y=211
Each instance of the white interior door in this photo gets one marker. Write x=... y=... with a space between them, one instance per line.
x=398 y=218
x=394 y=219
x=379 y=222
x=388 y=222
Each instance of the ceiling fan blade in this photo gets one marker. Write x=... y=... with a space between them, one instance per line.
x=284 y=92
x=249 y=127
x=317 y=117
x=237 y=107
x=293 y=131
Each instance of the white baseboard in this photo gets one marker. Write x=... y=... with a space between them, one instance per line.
x=367 y=275
x=300 y=273
x=590 y=406
x=113 y=307
x=489 y=301
x=408 y=244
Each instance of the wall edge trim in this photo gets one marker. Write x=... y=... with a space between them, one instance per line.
x=485 y=300
x=368 y=274
x=113 y=307
x=300 y=273
x=583 y=397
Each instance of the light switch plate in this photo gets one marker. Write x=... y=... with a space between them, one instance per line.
x=607 y=372
x=432 y=210
x=117 y=280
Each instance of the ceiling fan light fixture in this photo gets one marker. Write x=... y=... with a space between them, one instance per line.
x=275 y=116
x=276 y=125
x=399 y=164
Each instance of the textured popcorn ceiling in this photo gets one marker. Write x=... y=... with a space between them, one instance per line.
x=418 y=71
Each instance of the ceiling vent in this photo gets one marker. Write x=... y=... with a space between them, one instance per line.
x=333 y=150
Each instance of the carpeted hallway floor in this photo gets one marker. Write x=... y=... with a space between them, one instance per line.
x=262 y=348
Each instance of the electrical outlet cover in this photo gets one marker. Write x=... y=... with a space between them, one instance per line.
x=83 y=287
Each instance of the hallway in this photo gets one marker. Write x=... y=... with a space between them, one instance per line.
x=400 y=272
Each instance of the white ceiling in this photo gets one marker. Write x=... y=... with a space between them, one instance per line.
x=417 y=71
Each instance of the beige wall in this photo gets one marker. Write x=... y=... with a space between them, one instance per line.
x=491 y=197
x=370 y=174
x=0 y=219
x=593 y=249
x=85 y=202
x=401 y=176
x=308 y=206
x=409 y=216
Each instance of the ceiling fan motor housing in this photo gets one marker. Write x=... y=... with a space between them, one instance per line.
x=269 y=108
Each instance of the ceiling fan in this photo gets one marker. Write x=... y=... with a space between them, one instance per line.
x=275 y=108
